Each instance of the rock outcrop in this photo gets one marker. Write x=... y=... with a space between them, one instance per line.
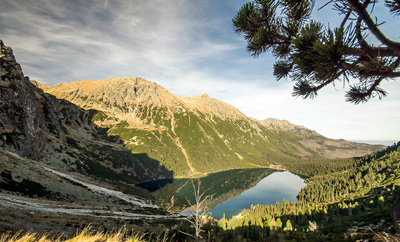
x=27 y=119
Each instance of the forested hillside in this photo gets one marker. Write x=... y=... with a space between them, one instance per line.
x=343 y=203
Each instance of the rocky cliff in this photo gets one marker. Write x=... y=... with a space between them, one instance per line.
x=55 y=132
x=27 y=120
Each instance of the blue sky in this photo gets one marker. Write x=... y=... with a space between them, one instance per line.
x=190 y=48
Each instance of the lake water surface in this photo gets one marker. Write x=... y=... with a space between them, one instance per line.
x=274 y=188
x=232 y=191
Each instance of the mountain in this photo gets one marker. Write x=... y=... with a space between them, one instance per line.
x=193 y=135
x=39 y=126
x=285 y=125
x=319 y=144
x=56 y=163
x=76 y=153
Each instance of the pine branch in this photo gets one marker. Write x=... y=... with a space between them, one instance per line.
x=383 y=73
x=346 y=18
x=372 y=51
x=394 y=6
x=361 y=41
x=362 y=93
x=364 y=15
x=307 y=90
x=315 y=59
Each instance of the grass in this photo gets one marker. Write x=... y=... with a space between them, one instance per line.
x=86 y=235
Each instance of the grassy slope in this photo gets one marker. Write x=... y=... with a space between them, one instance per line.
x=210 y=145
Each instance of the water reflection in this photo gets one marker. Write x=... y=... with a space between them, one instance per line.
x=232 y=190
x=275 y=188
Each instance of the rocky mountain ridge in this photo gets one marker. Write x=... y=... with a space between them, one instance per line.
x=198 y=134
x=121 y=98
x=287 y=126
x=312 y=140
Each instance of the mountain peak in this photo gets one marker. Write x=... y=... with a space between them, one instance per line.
x=287 y=126
x=211 y=106
x=121 y=96
x=204 y=95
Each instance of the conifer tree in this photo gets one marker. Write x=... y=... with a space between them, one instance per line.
x=314 y=55
x=288 y=226
x=278 y=223
x=222 y=223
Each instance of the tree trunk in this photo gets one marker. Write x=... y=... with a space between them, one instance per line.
x=396 y=215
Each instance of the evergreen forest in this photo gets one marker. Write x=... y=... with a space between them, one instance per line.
x=344 y=200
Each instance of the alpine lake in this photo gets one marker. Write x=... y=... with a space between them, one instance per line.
x=230 y=191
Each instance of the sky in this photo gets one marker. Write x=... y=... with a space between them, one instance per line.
x=190 y=48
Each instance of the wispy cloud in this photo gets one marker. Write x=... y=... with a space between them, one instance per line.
x=187 y=46
x=120 y=38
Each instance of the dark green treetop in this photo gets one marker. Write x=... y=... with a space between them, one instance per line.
x=314 y=55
